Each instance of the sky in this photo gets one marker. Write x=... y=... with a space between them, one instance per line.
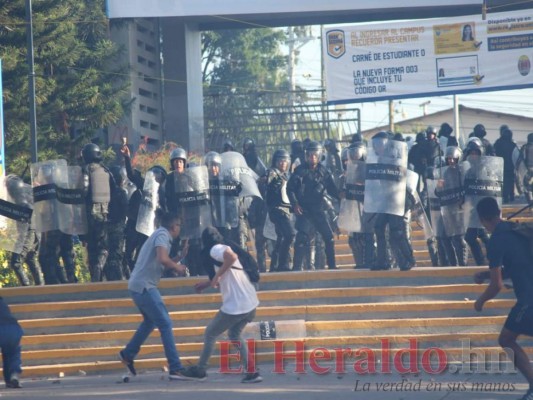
x=307 y=74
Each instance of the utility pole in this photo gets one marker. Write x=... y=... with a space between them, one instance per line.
x=391 y=115
x=31 y=78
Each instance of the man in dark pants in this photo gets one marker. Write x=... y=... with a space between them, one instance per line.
x=10 y=335
x=306 y=189
x=99 y=185
x=279 y=208
x=510 y=250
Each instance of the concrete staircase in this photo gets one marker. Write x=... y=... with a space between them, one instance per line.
x=81 y=327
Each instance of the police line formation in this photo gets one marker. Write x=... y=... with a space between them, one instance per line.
x=372 y=190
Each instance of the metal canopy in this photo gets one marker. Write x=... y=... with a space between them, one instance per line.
x=246 y=14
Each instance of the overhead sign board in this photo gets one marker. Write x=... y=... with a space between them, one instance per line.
x=195 y=8
x=369 y=62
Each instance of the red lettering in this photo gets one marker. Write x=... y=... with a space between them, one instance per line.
x=368 y=364
x=441 y=364
x=412 y=355
x=280 y=356
x=320 y=353
x=339 y=359
x=225 y=357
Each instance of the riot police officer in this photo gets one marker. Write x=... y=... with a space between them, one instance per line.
x=99 y=185
x=30 y=248
x=257 y=210
x=524 y=167
x=352 y=217
x=473 y=152
x=118 y=209
x=133 y=238
x=297 y=154
x=480 y=132
x=450 y=191
x=279 y=208
x=332 y=160
x=307 y=189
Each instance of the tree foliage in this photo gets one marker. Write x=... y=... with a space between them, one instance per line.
x=241 y=71
x=79 y=78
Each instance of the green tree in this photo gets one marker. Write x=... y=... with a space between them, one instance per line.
x=243 y=70
x=79 y=78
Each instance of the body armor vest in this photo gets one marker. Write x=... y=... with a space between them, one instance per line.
x=99 y=184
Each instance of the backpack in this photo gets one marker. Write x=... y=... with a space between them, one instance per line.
x=248 y=262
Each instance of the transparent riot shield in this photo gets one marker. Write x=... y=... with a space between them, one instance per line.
x=450 y=191
x=351 y=208
x=385 y=182
x=146 y=222
x=418 y=213
x=236 y=181
x=192 y=195
x=15 y=213
x=435 y=209
x=484 y=178
x=46 y=206
x=71 y=200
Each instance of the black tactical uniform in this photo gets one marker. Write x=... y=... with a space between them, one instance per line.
x=526 y=158
x=307 y=189
x=257 y=211
x=118 y=209
x=99 y=185
x=504 y=147
x=279 y=211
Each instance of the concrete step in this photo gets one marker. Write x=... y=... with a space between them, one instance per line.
x=335 y=312
x=40 y=297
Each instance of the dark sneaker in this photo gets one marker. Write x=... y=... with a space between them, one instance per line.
x=128 y=363
x=252 y=377
x=193 y=373
x=528 y=395
x=14 y=382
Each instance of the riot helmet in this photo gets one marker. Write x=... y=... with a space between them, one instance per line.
x=14 y=184
x=91 y=153
x=279 y=155
x=480 y=131
x=445 y=130
x=330 y=145
x=178 y=154
x=248 y=145
x=474 y=146
x=297 y=147
x=212 y=158
x=15 y=188
x=431 y=131
x=357 y=152
x=452 y=155
x=159 y=173
x=379 y=142
x=228 y=146
x=357 y=138
x=314 y=148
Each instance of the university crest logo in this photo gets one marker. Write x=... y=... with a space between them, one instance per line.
x=335 y=42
